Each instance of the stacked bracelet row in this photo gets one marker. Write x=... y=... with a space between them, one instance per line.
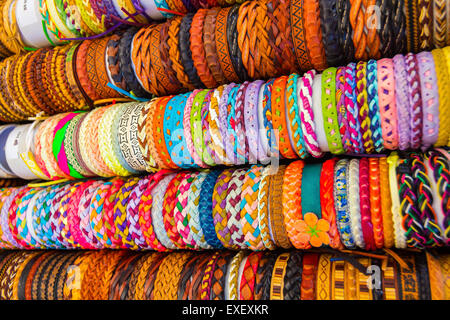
x=368 y=203
x=222 y=275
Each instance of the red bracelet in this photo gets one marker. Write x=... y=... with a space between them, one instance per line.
x=247 y=287
x=145 y=213
x=308 y=285
x=375 y=202
x=170 y=201
x=327 y=202
x=364 y=198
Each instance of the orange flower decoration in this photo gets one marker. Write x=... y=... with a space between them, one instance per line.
x=313 y=230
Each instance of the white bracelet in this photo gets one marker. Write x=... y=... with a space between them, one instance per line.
x=318 y=115
x=354 y=204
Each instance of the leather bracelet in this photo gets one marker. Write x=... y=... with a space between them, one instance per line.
x=313 y=34
x=247 y=283
x=276 y=217
x=185 y=51
x=328 y=22
x=209 y=44
x=439 y=24
x=278 y=274
x=371 y=28
x=425 y=8
x=246 y=24
x=308 y=288
x=387 y=27
x=233 y=47
x=197 y=48
x=357 y=21
x=298 y=34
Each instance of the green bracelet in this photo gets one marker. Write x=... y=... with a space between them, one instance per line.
x=75 y=169
x=311 y=189
x=330 y=118
x=196 y=122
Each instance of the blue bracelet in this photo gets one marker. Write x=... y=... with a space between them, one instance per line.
x=205 y=209
x=231 y=138
x=341 y=204
x=267 y=108
x=174 y=132
x=374 y=107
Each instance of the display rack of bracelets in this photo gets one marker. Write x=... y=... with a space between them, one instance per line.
x=224 y=149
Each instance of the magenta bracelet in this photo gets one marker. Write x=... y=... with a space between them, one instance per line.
x=415 y=100
x=402 y=101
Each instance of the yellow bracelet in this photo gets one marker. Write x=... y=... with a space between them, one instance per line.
x=399 y=234
x=444 y=261
x=444 y=96
x=54 y=17
x=446 y=51
x=89 y=17
x=105 y=141
x=323 y=278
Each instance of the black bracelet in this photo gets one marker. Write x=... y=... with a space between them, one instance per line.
x=423 y=279
x=233 y=47
x=262 y=288
x=184 y=44
x=293 y=277
x=345 y=31
x=386 y=24
x=329 y=20
x=399 y=26
x=186 y=274
x=126 y=68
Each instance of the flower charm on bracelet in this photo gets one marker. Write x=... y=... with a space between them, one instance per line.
x=313 y=230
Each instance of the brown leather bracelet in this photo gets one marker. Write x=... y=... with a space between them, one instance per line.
x=247 y=37
x=280 y=236
x=85 y=65
x=166 y=62
x=209 y=44
x=100 y=82
x=222 y=49
x=198 y=51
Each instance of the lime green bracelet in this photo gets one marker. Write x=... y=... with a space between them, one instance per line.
x=330 y=118
x=196 y=123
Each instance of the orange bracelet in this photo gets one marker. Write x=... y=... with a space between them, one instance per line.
x=138 y=56
x=292 y=201
x=327 y=202
x=375 y=202
x=278 y=103
x=174 y=53
x=386 y=204
x=158 y=133
x=357 y=22
x=198 y=51
x=313 y=34
x=150 y=136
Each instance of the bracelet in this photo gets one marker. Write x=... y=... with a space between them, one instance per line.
x=180 y=213
x=278 y=274
x=298 y=35
x=291 y=199
x=402 y=102
x=329 y=111
x=342 y=110
x=307 y=114
x=386 y=203
x=233 y=209
x=430 y=99
x=219 y=207
x=293 y=116
x=388 y=109
x=313 y=34
x=415 y=100
x=263 y=208
x=352 y=108
x=363 y=106
x=341 y=203
x=365 y=209
x=354 y=203
x=249 y=212
x=205 y=209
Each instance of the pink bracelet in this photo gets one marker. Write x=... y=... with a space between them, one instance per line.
x=307 y=114
x=388 y=110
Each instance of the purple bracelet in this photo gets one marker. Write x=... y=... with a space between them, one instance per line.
x=342 y=110
x=402 y=102
x=242 y=145
x=133 y=225
x=205 y=128
x=223 y=125
x=251 y=120
x=415 y=100
x=7 y=235
x=430 y=99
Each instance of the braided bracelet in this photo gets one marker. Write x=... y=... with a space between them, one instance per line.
x=233 y=209
x=415 y=100
x=354 y=204
x=352 y=108
x=132 y=215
